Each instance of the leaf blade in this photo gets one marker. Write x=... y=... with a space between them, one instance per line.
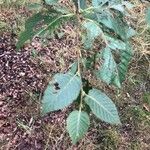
x=50 y=22
x=125 y=59
x=97 y=3
x=77 y=125
x=102 y=106
x=93 y=31
x=51 y=2
x=62 y=91
x=80 y=3
x=109 y=67
x=148 y=16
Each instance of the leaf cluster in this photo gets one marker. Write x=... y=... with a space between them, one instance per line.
x=100 y=19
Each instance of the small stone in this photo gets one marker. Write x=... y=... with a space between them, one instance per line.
x=22 y=74
x=1 y=103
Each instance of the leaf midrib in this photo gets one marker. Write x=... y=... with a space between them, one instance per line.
x=78 y=122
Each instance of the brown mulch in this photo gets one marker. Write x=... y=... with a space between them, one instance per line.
x=18 y=74
x=23 y=78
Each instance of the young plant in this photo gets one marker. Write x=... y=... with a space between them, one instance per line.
x=99 y=20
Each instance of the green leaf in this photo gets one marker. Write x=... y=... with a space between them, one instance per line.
x=24 y=36
x=116 y=81
x=113 y=23
x=128 y=5
x=76 y=4
x=130 y=32
x=32 y=21
x=148 y=16
x=118 y=27
x=30 y=24
x=88 y=62
x=118 y=7
x=55 y=23
x=77 y=125
x=29 y=32
x=50 y=22
x=51 y=2
x=73 y=68
x=93 y=31
x=97 y=3
x=126 y=57
x=109 y=67
x=115 y=43
x=61 y=9
x=61 y=92
x=82 y=4
x=35 y=6
x=102 y=106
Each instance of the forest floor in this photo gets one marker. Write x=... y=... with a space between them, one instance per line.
x=24 y=75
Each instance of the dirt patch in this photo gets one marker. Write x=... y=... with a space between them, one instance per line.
x=23 y=78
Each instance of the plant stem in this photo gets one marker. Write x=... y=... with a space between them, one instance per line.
x=79 y=55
